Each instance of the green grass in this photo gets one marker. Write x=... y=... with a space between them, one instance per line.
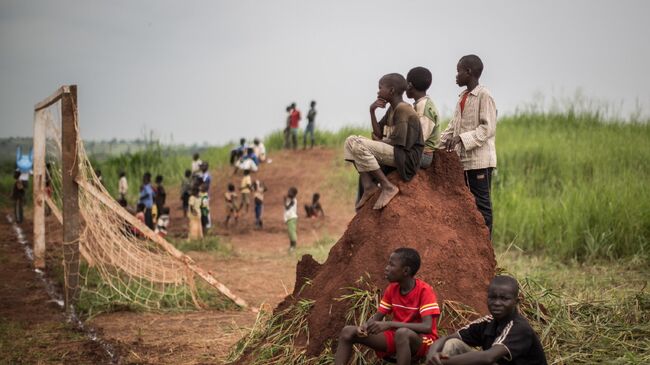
x=211 y=244
x=573 y=186
x=275 y=140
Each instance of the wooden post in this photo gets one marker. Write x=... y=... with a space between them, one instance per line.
x=39 y=189
x=70 y=189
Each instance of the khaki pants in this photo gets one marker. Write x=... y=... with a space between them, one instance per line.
x=367 y=154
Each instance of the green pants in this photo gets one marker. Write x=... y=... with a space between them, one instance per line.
x=292 y=225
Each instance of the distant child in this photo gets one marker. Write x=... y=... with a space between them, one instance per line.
x=260 y=149
x=163 y=222
x=206 y=178
x=287 y=130
x=18 y=195
x=161 y=194
x=147 y=196
x=186 y=187
x=414 y=309
x=397 y=141
x=504 y=336
x=291 y=216
x=294 y=121
x=258 y=196
x=140 y=215
x=314 y=210
x=248 y=161
x=205 y=207
x=419 y=80
x=311 y=121
x=123 y=186
x=194 y=203
x=232 y=209
x=471 y=133
x=196 y=165
x=245 y=190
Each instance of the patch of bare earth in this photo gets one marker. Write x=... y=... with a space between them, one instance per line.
x=260 y=268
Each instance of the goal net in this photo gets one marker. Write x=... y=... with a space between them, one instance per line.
x=114 y=259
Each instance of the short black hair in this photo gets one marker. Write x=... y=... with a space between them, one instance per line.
x=315 y=197
x=231 y=187
x=188 y=172
x=409 y=257
x=242 y=141
x=165 y=210
x=474 y=63
x=146 y=177
x=313 y=102
x=506 y=281
x=396 y=81
x=122 y=173
x=293 y=192
x=140 y=207
x=159 y=179
x=420 y=78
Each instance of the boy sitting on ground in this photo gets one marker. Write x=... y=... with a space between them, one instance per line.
x=504 y=336
x=315 y=209
x=419 y=81
x=400 y=146
x=414 y=310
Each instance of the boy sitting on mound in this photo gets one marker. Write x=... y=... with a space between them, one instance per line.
x=414 y=309
x=397 y=142
x=505 y=337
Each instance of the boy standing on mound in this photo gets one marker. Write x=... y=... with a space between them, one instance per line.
x=414 y=309
x=397 y=142
x=471 y=133
x=504 y=336
x=419 y=80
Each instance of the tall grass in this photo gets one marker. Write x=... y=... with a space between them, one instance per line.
x=573 y=185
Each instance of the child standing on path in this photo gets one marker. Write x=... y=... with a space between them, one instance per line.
x=205 y=207
x=18 y=195
x=161 y=194
x=471 y=133
x=245 y=190
x=195 y=230
x=311 y=121
x=186 y=187
x=419 y=81
x=147 y=196
x=414 y=309
x=232 y=208
x=123 y=186
x=291 y=217
x=258 y=196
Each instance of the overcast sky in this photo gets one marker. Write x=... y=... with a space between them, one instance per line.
x=212 y=71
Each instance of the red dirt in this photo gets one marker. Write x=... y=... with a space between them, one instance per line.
x=434 y=213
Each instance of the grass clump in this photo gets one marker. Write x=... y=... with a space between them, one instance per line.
x=206 y=244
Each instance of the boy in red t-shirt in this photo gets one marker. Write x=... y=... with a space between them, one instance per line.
x=294 y=121
x=414 y=309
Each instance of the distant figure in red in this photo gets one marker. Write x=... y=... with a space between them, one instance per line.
x=294 y=121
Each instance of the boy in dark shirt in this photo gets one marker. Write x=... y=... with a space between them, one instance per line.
x=18 y=195
x=311 y=118
x=414 y=309
x=397 y=141
x=504 y=336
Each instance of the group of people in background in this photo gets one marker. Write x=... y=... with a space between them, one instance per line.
x=293 y=126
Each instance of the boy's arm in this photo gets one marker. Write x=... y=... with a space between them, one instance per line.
x=422 y=327
x=376 y=126
x=486 y=125
x=487 y=357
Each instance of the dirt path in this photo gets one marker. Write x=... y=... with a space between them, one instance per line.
x=259 y=268
x=32 y=326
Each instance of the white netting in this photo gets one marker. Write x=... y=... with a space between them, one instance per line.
x=119 y=266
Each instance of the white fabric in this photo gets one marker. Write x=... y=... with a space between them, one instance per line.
x=292 y=212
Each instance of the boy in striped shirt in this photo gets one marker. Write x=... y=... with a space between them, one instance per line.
x=414 y=309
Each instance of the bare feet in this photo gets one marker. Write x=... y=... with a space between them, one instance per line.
x=387 y=194
x=367 y=194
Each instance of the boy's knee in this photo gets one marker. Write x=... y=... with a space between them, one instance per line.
x=404 y=334
x=348 y=333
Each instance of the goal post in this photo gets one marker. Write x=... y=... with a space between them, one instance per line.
x=67 y=95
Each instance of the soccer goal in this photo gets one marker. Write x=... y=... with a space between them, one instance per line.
x=103 y=257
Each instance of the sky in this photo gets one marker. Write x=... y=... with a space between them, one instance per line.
x=214 y=71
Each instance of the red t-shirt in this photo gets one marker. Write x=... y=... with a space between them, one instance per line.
x=294 y=118
x=410 y=308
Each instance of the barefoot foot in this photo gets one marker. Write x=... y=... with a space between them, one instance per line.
x=367 y=194
x=387 y=193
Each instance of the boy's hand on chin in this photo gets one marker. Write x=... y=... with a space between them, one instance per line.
x=379 y=103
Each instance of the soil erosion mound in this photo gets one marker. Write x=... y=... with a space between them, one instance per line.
x=434 y=213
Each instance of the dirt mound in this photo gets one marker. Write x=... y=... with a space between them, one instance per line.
x=434 y=213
